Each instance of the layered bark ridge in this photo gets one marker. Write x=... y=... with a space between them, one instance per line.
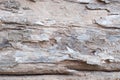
x=59 y=36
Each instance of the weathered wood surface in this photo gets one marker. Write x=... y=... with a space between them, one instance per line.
x=59 y=37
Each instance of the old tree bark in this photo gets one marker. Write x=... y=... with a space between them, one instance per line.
x=60 y=37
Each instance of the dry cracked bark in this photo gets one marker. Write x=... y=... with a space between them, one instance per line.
x=59 y=37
